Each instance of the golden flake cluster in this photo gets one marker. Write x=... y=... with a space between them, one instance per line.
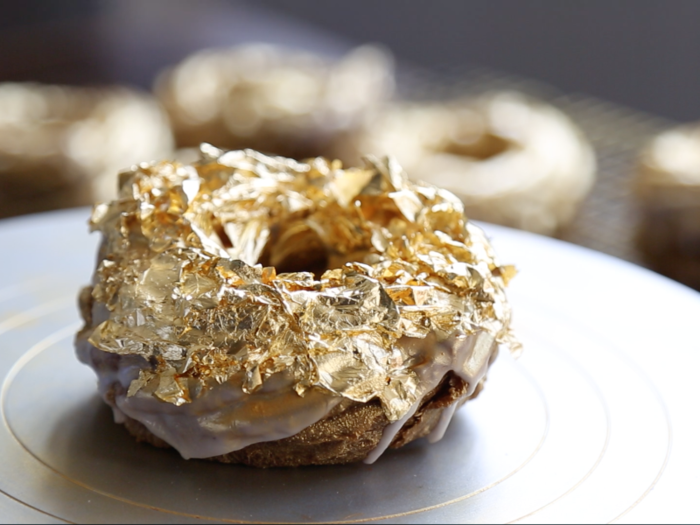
x=241 y=266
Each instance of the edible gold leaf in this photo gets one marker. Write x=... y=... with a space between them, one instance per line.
x=242 y=266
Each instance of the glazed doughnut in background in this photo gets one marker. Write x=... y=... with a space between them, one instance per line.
x=512 y=160
x=272 y=99
x=61 y=146
x=668 y=187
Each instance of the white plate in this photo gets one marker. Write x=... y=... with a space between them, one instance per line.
x=598 y=420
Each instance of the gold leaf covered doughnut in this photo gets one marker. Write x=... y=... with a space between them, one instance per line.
x=249 y=277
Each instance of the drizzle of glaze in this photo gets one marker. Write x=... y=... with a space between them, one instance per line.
x=439 y=431
x=388 y=435
x=468 y=356
x=226 y=419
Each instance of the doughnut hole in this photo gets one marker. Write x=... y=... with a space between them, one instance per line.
x=468 y=134
x=481 y=147
x=297 y=248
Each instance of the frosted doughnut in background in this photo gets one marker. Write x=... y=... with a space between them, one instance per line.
x=667 y=184
x=61 y=146
x=512 y=160
x=272 y=99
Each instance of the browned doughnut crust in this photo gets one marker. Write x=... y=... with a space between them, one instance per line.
x=343 y=437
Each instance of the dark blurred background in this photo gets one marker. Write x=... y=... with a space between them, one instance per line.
x=643 y=54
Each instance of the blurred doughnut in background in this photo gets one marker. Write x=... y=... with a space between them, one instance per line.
x=275 y=100
x=62 y=146
x=668 y=186
x=512 y=160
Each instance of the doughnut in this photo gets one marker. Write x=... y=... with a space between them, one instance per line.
x=260 y=310
x=273 y=99
x=60 y=146
x=667 y=184
x=512 y=160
